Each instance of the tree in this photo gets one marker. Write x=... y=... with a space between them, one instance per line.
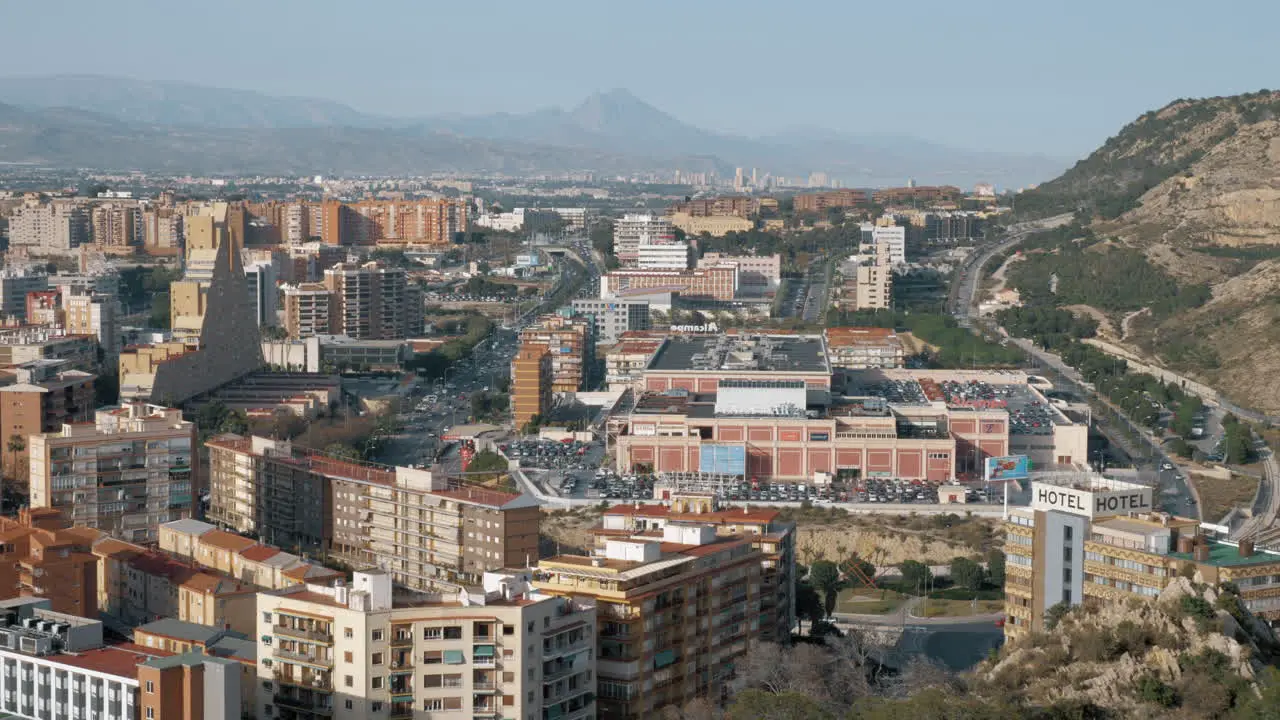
x=483 y=268
x=824 y=576
x=342 y=451
x=488 y=461
x=915 y=575
x=1054 y=615
x=809 y=605
x=1181 y=448
x=760 y=705
x=967 y=573
x=995 y=567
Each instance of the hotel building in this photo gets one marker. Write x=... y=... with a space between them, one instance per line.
x=1092 y=539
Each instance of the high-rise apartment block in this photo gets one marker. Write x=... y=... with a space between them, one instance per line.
x=676 y=612
x=57 y=225
x=570 y=339
x=87 y=313
x=260 y=282
x=409 y=222
x=614 y=317
x=307 y=310
x=409 y=522
x=502 y=651
x=531 y=379
x=162 y=231
x=774 y=539
x=42 y=400
x=662 y=255
x=632 y=229
x=1090 y=539
x=884 y=240
x=126 y=474
x=372 y=301
x=116 y=224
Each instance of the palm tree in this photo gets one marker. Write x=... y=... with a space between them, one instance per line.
x=15 y=446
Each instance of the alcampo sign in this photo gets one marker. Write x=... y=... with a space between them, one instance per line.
x=1090 y=504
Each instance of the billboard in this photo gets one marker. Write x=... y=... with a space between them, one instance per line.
x=1096 y=503
x=723 y=459
x=1011 y=467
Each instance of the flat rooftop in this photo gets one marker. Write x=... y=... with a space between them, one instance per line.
x=763 y=353
x=1223 y=555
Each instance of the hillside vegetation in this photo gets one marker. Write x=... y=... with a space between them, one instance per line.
x=1177 y=241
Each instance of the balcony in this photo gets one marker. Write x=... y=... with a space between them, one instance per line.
x=301 y=634
x=297 y=703
x=314 y=659
x=313 y=681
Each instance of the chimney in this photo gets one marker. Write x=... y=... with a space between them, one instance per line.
x=1246 y=548
x=1201 y=553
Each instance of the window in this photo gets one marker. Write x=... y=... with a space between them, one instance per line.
x=1066 y=533
x=377 y=658
x=377 y=636
x=453 y=633
x=1066 y=596
x=432 y=633
x=266 y=617
x=346 y=633
x=377 y=707
x=346 y=656
x=1066 y=554
x=348 y=704
x=508 y=629
x=433 y=704
x=376 y=682
x=151 y=687
x=151 y=713
x=348 y=681
x=1066 y=575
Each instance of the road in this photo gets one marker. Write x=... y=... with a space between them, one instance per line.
x=963 y=299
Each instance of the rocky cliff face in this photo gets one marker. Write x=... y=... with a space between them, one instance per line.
x=1193 y=652
x=1196 y=187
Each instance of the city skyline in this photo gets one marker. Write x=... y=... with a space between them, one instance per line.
x=1046 y=80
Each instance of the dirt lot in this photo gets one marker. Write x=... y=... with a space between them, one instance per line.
x=1218 y=496
x=827 y=533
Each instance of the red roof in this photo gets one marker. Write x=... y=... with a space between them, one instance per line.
x=120 y=660
x=226 y=541
x=258 y=553
x=153 y=564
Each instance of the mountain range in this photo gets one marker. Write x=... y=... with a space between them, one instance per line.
x=117 y=123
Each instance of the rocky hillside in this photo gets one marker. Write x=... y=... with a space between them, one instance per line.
x=1194 y=652
x=1194 y=187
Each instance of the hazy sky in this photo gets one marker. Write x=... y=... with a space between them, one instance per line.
x=1032 y=75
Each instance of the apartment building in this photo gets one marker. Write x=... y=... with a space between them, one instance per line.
x=857 y=348
x=531 y=379
x=633 y=229
x=262 y=566
x=126 y=474
x=162 y=231
x=405 y=222
x=918 y=194
x=116 y=224
x=820 y=202
x=87 y=313
x=16 y=283
x=28 y=344
x=714 y=225
x=742 y=206
x=372 y=301
x=570 y=340
x=676 y=609
x=625 y=363
x=409 y=522
x=614 y=317
x=717 y=284
x=58 y=666
x=1091 y=540
x=260 y=284
x=773 y=538
x=43 y=556
x=42 y=399
x=662 y=255
x=49 y=226
x=873 y=285
x=756 y=273
x=883 y=241
x=307 y=310
x=187 y=640
x=361 y=652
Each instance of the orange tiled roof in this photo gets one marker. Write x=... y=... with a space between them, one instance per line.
x=227 y=541
x=258 y=553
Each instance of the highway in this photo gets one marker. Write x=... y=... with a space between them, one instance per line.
x=963 y=300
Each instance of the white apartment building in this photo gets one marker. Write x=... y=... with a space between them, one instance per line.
x=126 y=474
x=662 y=255
x=755 y=272
x=360 y=652
x=260 y=279
x=52 y=226
x=632 y=229
x=893 y=240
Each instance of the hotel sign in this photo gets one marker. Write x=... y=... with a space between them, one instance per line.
x=1090 y=504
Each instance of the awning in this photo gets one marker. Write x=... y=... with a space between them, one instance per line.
x=454 y=657
x=483 y=651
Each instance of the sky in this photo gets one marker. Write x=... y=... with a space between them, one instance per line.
x=1047 y=76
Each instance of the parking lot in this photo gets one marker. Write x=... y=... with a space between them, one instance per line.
x=552 y=455
x=871 y=490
